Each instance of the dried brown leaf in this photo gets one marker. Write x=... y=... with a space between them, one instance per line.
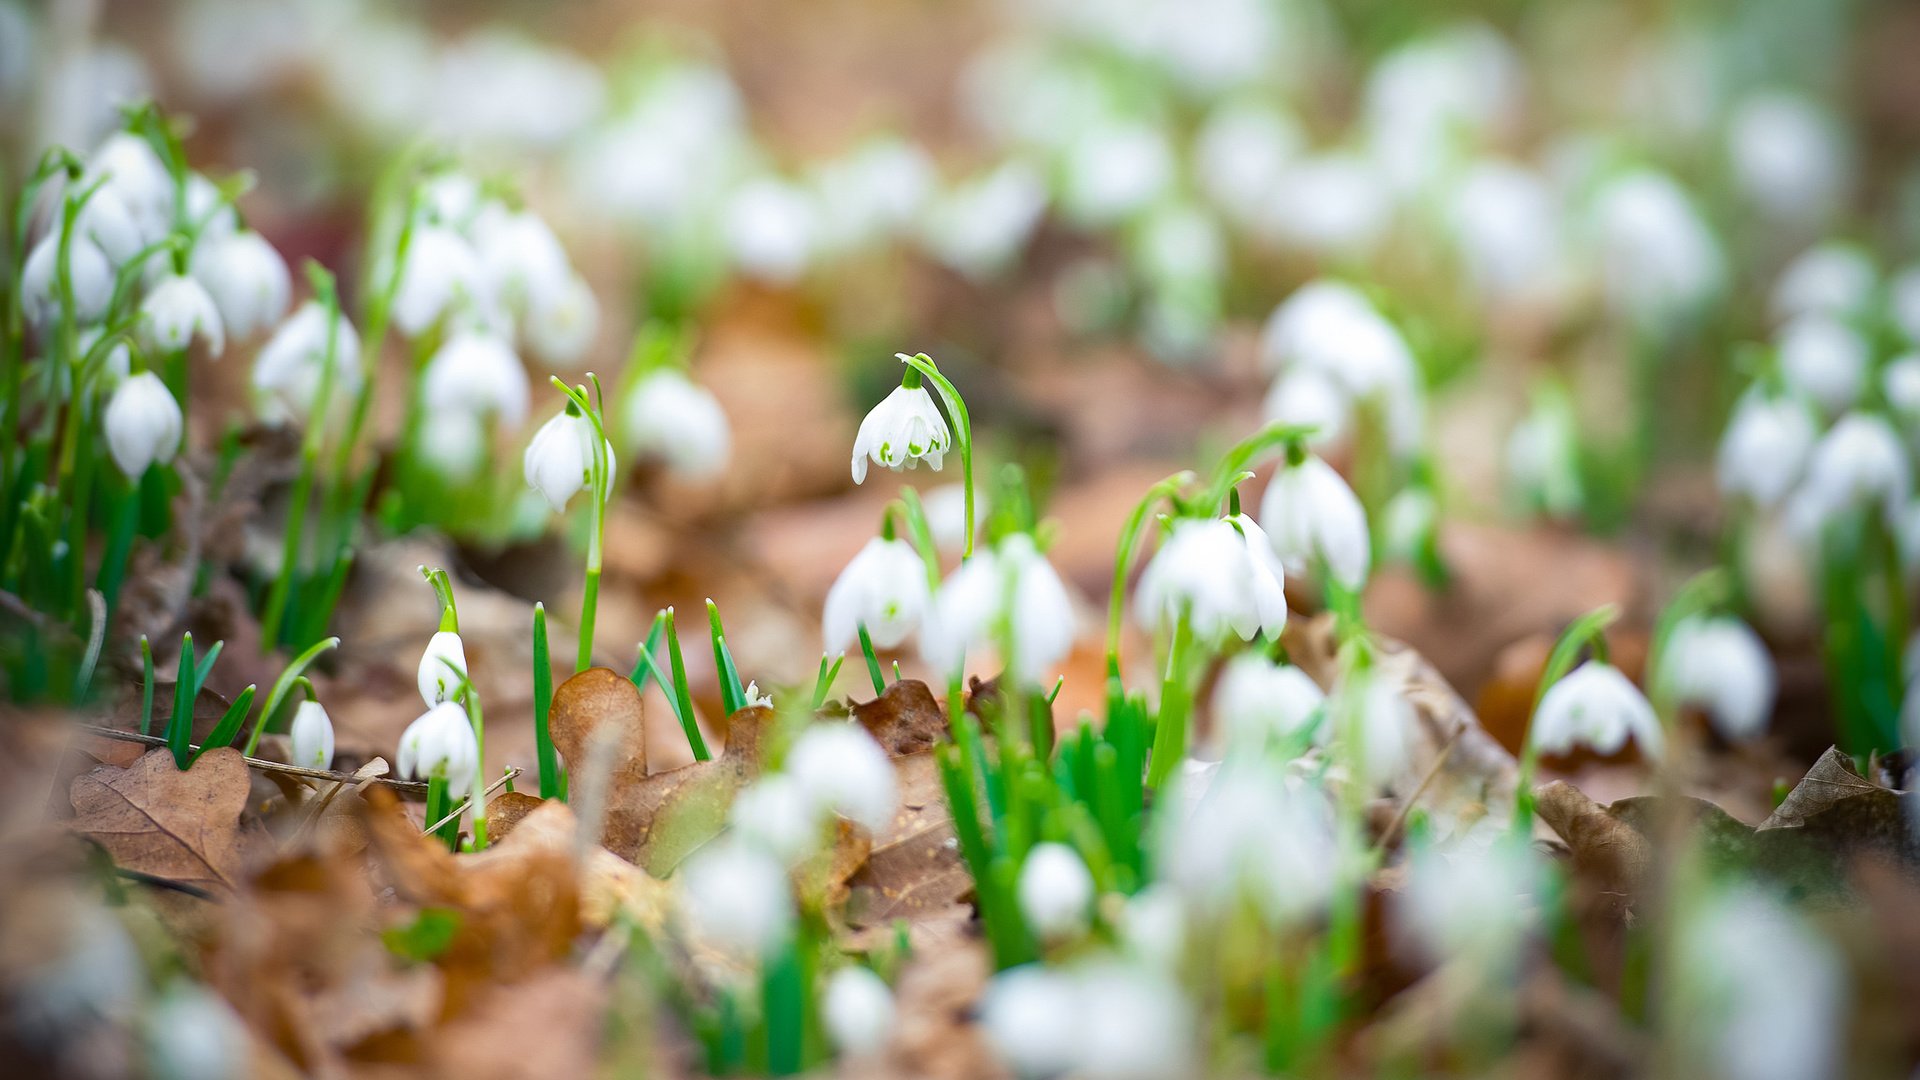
x=914 y=871
x=182 y=826
x=904 y=719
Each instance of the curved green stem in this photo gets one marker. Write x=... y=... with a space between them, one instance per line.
x=962 y=433
x=1123 y=559
x=1587 y=629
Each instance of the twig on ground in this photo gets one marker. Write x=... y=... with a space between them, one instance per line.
x=410 y=787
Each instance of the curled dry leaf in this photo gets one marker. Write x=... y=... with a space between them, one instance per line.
x=904 y=719
x=914 y=871
x=153 y=818
x=609 y=884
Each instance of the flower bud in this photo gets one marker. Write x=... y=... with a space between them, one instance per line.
x=143 y=424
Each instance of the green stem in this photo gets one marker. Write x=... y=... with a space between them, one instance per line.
x=683 y=695
x=277 y=695
x=1123 y=559
x=873 y=662
x=549 y=759
x=310 y=446
x=1176 y=701
x=962 y=434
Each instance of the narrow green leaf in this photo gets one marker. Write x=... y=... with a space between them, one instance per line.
x=283 y=686
x=230 y=721
x=732 y=692
x=185 y=689
x=543 y=704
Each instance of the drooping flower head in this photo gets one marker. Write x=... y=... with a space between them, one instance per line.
x=1314 y=518
x=1221 y=573
x=884 y=588
x=1597 y=707
x=1007 y=596
x=441 y=744
x=143 y=424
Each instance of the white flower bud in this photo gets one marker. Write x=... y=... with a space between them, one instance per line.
x=138 y=178
x=1258 y=703
x=1153 y=926
x=176 y=311
x=1221 y=573
x=520 y=258
x=1659 y=259
x=1136 y=1024
x=1834 y=280
x=1312 y=516
x=857 y=1010
x=1240 y=155
x=1012 y=590
x=1114 y=170
x=441 y=667
x=559 y=460
x=1469 y=902
x=1788 y=156
x=1859 y=464
x=1721 y=666
x=312 y=736
x=669 y=418
x=1055 y=891
x=288 y=372
x=737 y=898
x=1303 y=396
x=1900 y=382
x=247 y=279
x=441 y=271
x=1030 y=1016
x=562 y=320
x=143 y=424
x=1824 y=359
x=840 y=768
x=476 y=372
x=1748 y=1022
x=883 y=587
x=452 y=443
x=191 y=1033
x=978 y=227
x=1543 y=458
x=87 y=266
x=106 y=221
x=1597 y=707
x=769 y=230
x=903 y=430
x=441 y=744
x=1766 y=447
x=776 y=815
x=1255 y=834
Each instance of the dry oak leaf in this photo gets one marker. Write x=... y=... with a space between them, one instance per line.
x=904 y=719
x=914 y=871
x=183 y=826
x=609 y=884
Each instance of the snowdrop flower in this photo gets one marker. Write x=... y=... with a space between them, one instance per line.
x=477 y=372
x=312 y=735
x=978 y=227
x=1240 y=155
x=768 y=226
x=946 y=508
x=1011 y=589
x=1330 y=328
x=1720 y=666
x=1113 y=171
x=1824 y=359
x=1740 y=1013
x=441 y=270
x=247 y=279
x=1835 y=280
x=1900 y=382
x=519 y=257
x=1258 y=703
x=291 y=366
x=1788 y=156
x=1597 y=707
x=1859 y=463
x=1506 y=222
x=562 y=320
x=857 y=1010
x=1427 y=98
x=1409 y=522
x=452 y=444
x=441 y=667
x=775 y=814
x=1055 y=891
x=1135 y=1024
x=1385 y=725
x=106 y=221
x=1221 y=574
x=138 y=178
x=176 y=311
x=441 y=744
x=737 y=898
x=1658 y=258
x=559 y=460
x=840 y=768
x=1153 y=926
x=1254 y=834
x=884 y=587
x=1470 y=902
x=1304 y=396
x=1030 y=1016
x=901 y=431
x=1765 y=448
x=191 y=1033
x=870 y=193
x=1313 y=517
x=1332 y=204
x=671 y=418
x=87 y=267
x=1179 y=246
x=143 y=424
x=1543 y=457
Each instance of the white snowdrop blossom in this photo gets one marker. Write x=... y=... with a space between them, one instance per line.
x=519 y=257
x=1114 y=170
x=1659 y=260
x=1788 y=155
x=776 y=815
x=1824 y=359
x=106 y=221
x=769 y=229
x=137 y=177
x=1334 y=350
x=290 y=367
x=1900 y=382
x=1721 y=666
x=1135 y=1024
x=562 y=320
x=737 y=898
x=1859 y=463
x=1409 y=521
x=1744 y=1016
x=1471 y=902
x=1029 y=1015
x=1055 y=891
x=1254 y=834
x=1835 y=280
x=559 y=460
x=883 y=587
x=670 y=418
x=178 y=310
x=840 y=768
x=441 y=270
x=1507 y=223
x=247 y=279
x=1011 y=590
x=88 y=269
x=871 y=193
x=756 y=699
x=143 y=424
x=946 y=508
x=441 y=667
x=1765 y=448
x=191 y=1033
x=312 y=736
x=1597 y=707
x=1543 y=457
x=1153 y=926
x=441 y=744
x=1305 y=397
x=1258 y=703
x=903 y=430
x=1313 y=517
x=1384 y=724
x=1221 y=573
x=1336 y=204
x=978 y=227
x=1240 y=154
x=857 y=1010
x=476 y=372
